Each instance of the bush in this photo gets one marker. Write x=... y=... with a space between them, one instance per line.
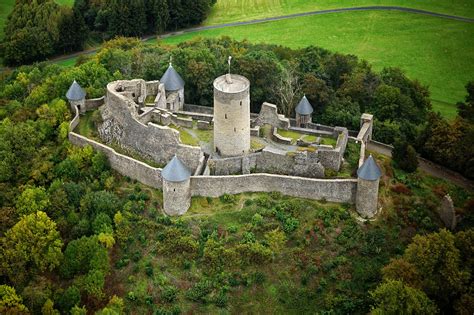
x=199 y=291
x=226 y=198
x=169 y=294
x=405 y=156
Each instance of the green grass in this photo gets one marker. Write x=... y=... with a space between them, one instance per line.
x=226 y=11
x=6 y=6
x=290 y=134
x=437 y=52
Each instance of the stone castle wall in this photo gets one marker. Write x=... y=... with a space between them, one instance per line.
x=120 y=115
x=334 y=190
x=123 y=164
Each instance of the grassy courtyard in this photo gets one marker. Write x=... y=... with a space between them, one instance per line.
x=438 y=52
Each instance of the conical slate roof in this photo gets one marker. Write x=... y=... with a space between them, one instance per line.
x=175 y=171
x=304 y=107
x=369 y=170
x=172 y=80
x=75 y=92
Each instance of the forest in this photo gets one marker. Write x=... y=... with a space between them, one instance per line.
x=42 y=28
x=78 y=238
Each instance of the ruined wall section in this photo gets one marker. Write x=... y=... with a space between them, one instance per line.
x=121 y=124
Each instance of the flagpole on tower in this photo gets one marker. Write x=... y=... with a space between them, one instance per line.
x=229 y=61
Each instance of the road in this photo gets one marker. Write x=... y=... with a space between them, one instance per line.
x=428 y=167
x=283 y=17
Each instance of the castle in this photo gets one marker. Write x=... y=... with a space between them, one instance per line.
x=244 y=152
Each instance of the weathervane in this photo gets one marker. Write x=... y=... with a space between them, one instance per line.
x=229 y=61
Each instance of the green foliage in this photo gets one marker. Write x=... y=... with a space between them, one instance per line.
x=434 y=266
x=32 y=246
x=10 y=302
x=31 y=200
x=394 y=297
x=405 y=156
x=70 y=298
x=83 y=256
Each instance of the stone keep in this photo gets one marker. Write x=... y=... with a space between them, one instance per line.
x=176 y=188
x=231 y=115
x=368 y=178
x=76 y=97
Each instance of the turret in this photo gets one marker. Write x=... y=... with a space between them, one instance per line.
x=174 y=87
x=76 y=97
x=176 y=187
x=303 y=113
x=368 y=178
x=231 y=115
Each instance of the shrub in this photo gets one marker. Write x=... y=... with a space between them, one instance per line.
x=226 y=198
x=169 y=294
x=405 y=156
x=69 y=298
x=199 y=291
x=400 y=188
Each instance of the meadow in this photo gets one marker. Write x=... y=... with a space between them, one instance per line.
x=225 y=11
x=437 y=52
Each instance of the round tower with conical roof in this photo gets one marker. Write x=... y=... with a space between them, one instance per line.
x=176 y=187
x=231 y=115
x=303 y=110
x=174 y=88
x=368 y=178
x=76 y=97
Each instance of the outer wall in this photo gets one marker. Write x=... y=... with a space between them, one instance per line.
x=232 y=123
x=176 y=197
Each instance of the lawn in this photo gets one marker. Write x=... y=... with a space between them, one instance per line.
x=438 y=52
x=225 y=11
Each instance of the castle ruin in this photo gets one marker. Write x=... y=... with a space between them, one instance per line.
x=247 y=153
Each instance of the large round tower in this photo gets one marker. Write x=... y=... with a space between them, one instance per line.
x=176 y=188
x=231 y=115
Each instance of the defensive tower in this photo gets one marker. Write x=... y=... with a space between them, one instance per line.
x=231 y=115
x=176 y=187
x=368 y=178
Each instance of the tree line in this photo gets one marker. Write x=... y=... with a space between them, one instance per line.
x=39 y=29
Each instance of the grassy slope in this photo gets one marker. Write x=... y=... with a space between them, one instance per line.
x=438 y=52
x=240 y=10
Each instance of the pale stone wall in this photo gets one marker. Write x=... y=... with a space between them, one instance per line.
x=94 y=103
x=176 y=197
x=334 y=190
x=152 y=141
x=198 y=109
x=269 y=116
x=232 y=119
x=125 y=165
x=367 y=197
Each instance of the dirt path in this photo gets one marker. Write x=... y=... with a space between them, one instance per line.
x=428 y=167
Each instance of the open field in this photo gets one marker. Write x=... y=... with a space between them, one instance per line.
x=226 y=11
x=438 y=52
